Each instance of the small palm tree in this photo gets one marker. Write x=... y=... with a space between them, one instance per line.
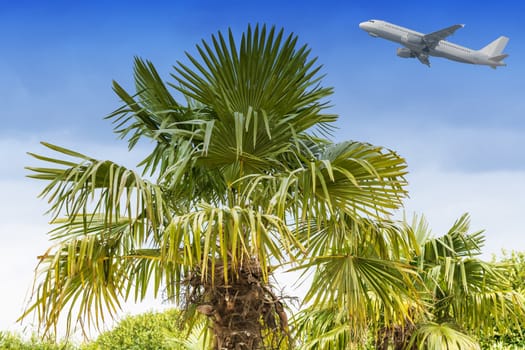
x=361 y=279
x=458 y=296
x=465 y=296
x=242 y=179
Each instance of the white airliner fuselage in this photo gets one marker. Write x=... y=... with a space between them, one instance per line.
x=420 y=46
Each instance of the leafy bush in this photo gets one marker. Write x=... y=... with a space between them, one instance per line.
x=142 y=332
x=12 y=341
x=146 y=331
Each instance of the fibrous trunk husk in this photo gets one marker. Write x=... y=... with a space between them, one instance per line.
x=395 y=337
x=245 y=312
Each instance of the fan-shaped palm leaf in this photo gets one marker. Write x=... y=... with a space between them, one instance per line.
x=438 y=336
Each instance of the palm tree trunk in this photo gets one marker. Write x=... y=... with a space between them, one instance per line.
x=245 y=313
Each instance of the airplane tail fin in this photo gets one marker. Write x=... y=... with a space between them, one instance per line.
x=495 y=48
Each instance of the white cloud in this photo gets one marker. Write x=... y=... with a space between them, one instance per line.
x=495 y=201
x=425 y=143
x=22 y=228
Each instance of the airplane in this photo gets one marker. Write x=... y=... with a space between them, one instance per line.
x=421 y=46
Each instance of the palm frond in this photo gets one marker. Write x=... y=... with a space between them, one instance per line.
x=266 y=74
x=94 y=266
x=83 y=275
x=263 y=94
x=154 y=113
x=362 y=179
x=146 y=112
x=457 y=243
x=213 y=236
x=491 y=310
x=87 y=186
x=438 y=336
x=357 y=284
x=325 y=328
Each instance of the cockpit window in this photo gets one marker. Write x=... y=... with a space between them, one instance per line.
x=372 y=21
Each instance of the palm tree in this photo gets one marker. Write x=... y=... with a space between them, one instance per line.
x=465 y=296
x=242 y=179
x=362 y=278
x=459 y=296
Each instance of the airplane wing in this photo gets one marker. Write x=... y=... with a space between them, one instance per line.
x=423 y=58
x=433 y=38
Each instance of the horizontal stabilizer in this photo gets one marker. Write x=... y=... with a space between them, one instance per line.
x=499 y=58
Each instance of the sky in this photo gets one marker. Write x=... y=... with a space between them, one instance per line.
x=459 y=126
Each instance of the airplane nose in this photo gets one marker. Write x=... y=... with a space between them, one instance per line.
x=363 y=25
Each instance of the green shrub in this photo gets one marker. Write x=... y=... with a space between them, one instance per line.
x=12 y=341
x=146 y=331
x=142 y=332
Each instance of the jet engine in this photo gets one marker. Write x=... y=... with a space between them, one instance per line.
x=405 y=53
x=412 y=39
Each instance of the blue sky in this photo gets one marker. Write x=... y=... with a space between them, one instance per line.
x=461 y=127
